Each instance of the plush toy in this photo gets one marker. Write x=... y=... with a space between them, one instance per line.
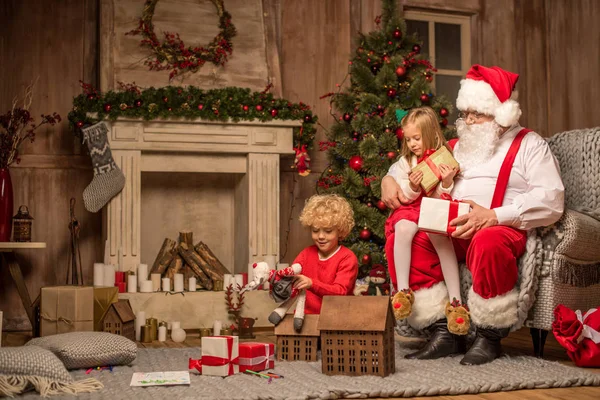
x=374 y=284
x=302 y=160
x=458 y=318
x=281 y=290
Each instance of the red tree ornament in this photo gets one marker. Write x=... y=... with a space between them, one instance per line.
x=400 y=72
x=245 y=108
x=347 y=117
x=200 y=107
x=259 y=107
x=366 y=259
x=397 y=34
x=365 y=234
x=391 y=93
x=165 y=99
x=399 y=133
x=355 y=162
x=444 y=112
x=391 y=155
x=274 y=112
x=107 y=107
x=79 y=124
x=417 y=48
x=138 y=103
x=424 y=98
x=381 y=205
x=444 y=122
x=308 y=118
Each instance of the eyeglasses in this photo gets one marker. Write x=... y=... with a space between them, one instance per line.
x=471 y=114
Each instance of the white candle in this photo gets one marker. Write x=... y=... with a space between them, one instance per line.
x=142 y=273
x=192 y=284
x=109 y=275
x=106 y=252
x=175 y=325
x=140 y=319
x=98 y=274
x=178 y=283
x=166 y=285
x=155 y=278
x=162 y=333
x=217 y=328
x=131 y=284
x=227 y=280
x=239 y=280
x=146 y=286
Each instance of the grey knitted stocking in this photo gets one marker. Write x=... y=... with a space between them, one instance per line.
x=108 y=178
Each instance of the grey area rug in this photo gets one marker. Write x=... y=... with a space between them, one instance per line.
x=303 y=380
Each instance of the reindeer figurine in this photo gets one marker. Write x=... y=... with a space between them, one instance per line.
x=278 y=280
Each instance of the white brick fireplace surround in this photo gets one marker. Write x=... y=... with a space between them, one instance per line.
x=231 y=201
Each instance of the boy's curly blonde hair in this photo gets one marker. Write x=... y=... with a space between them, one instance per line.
x=328 y=211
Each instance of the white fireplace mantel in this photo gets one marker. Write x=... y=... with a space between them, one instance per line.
x=249 y=148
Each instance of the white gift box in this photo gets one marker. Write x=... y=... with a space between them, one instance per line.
x=220 y=355
x=436 y=214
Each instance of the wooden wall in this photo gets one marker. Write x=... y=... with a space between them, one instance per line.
x=551 y=43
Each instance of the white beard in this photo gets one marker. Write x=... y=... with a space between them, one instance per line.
x=477 y=143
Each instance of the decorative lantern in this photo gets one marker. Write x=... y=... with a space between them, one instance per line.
x=22 y=225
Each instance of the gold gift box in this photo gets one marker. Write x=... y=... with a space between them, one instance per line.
x=440 y=156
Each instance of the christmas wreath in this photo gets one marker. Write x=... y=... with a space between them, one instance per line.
x=173 y=54
x=225 y=104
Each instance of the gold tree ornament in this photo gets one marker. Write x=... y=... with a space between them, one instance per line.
x=173 y=54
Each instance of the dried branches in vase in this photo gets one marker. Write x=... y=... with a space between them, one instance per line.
x=17 y=126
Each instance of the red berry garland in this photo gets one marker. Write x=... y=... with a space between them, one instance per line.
x=173 y=54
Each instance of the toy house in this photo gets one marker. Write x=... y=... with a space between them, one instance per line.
x=357 y=335
x=294 y=346
x=120 y=319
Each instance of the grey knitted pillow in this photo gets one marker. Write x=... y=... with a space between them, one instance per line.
x=31 y=366
x=88 y=349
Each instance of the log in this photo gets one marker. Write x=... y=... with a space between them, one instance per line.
x=186 y=237
x=175 y=267
x=190 y=260
x=212 y=273
x=163 y=258
x=207 y=255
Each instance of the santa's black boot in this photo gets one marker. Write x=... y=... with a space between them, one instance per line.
x=486 y=347
x=441 y=344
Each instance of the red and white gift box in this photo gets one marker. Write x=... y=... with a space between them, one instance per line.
x=436 y=214
x=257 y=356
x=220 y=355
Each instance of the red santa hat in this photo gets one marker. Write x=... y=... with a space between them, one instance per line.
x=378 y=271
x=488 y=91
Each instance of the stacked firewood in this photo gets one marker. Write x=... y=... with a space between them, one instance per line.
x=185 y=258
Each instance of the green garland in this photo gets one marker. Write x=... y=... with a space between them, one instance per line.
x=232 y=104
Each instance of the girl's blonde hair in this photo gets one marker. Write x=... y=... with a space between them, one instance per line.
x=426 y=120
x=328 y=211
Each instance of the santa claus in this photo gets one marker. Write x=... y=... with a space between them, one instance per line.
x=512 y=182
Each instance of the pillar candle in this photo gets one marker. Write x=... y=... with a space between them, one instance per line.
x=142 y=273
x=227 y=280
x=239 y=280
x=140 y=320
x=175 y=325
x=98 y=274
x=162 y=333
x=178 y=283
x=109 y=275
x=106 y=252
x=131 y=283
x=119 y=276
x=166 y=285
x=122 y=286
x=217 y=328
x=155 y=278
x=244 y=279
x=192 y=284
x=146 y=286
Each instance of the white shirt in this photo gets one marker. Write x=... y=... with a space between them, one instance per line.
x=400 y=170
x=535 y=193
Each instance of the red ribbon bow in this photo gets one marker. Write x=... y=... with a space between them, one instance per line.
x=434 y=168
x=452 y=212
x=195 y=364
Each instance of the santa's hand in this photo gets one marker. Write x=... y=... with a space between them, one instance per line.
x=479 y=218
x=302 y=282
x=391 y=194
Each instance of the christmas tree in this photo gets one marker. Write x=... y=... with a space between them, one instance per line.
x=388 y=77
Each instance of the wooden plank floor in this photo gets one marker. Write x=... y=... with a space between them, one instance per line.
x=517 y=343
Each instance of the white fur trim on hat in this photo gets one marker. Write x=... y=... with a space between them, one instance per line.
x=479 y=96
x=429 y=306
x=495 y=312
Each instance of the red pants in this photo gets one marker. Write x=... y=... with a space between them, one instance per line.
x=491 y=256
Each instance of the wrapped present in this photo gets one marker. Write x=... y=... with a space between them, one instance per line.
x=429 y=166
x=220 y=355
x=103 y=298
x=66 y=309
x=436 y=214
x=579 y=334
x=257 y=356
